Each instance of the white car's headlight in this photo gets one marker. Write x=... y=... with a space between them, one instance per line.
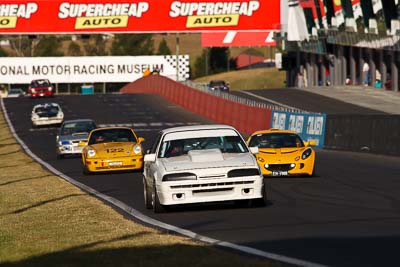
x=137 y=149
x=35 y=117
x=179 y=177
x=91 y=153
x=60 y=115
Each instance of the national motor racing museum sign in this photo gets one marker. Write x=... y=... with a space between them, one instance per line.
x=99 y=16
x=21 y=70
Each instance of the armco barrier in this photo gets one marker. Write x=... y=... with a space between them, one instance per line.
x=369 y=133
x=247 y=119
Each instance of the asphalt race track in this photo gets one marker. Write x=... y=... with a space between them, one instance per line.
x=348 y=215
x=305 y=101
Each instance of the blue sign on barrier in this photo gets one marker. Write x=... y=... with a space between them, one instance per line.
x=310 y=126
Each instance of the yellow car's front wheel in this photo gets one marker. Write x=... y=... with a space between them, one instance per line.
x=86 y=171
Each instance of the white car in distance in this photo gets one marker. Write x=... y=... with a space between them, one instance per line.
x=47 y=114
x=202 y=163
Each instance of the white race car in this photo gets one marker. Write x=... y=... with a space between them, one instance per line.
x=47 y=114
x=73 y=135
x=202 y=163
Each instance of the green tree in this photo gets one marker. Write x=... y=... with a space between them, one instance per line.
x=200 y=65
x=213 y=60
x=48 y=46
x=163 y=48
x=132 y=45
x=22 y=46
x=2 y=53
x=218 y=59
x=95 y=46
x=74 y=49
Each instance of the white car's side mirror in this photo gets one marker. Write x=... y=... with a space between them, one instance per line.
x=254 y=150
x=150 y=158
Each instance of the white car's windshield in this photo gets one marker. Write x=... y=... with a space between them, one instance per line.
x=77 y=127
x=178 y=147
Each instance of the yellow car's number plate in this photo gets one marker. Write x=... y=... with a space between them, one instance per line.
x=279 y=173
x=115 y=163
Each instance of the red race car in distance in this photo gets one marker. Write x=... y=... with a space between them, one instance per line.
x=40 y=88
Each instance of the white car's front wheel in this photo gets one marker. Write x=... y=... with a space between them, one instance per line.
x=147 y=195
x=157 y=207
x=261 y=202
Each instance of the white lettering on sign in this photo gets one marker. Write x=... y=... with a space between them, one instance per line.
x=68 y=10
x=296 y=123
x=315 y=125
x=206 y=8
x=279 y=121
x=18 y=10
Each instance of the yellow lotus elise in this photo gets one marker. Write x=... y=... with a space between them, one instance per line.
x=112 y=149
x=283 y=153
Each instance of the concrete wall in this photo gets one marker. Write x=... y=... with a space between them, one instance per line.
x=369 y=133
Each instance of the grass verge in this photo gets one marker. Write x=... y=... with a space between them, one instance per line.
x=45 y=221
x=263 y=78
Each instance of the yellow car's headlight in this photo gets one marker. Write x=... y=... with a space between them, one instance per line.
x=306 y=153
x=137 y=149
x=91 y=153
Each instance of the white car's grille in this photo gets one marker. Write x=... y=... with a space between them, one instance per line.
x=211 y=185
x=77 y=141
x=213 y=176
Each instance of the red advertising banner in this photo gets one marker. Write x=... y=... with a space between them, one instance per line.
x=104 y=16
x=238 y=38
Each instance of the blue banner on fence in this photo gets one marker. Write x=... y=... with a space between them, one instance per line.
x=310 y=126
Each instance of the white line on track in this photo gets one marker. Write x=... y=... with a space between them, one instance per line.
x=148 y=220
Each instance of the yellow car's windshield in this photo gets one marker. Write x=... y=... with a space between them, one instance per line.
x=276 y=140
x=112 y=135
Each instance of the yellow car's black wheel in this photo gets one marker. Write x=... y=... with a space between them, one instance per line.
x=86 y=171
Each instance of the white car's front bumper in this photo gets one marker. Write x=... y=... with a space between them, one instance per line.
x=69 y=149
x=40 y=122
x=174 y=193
